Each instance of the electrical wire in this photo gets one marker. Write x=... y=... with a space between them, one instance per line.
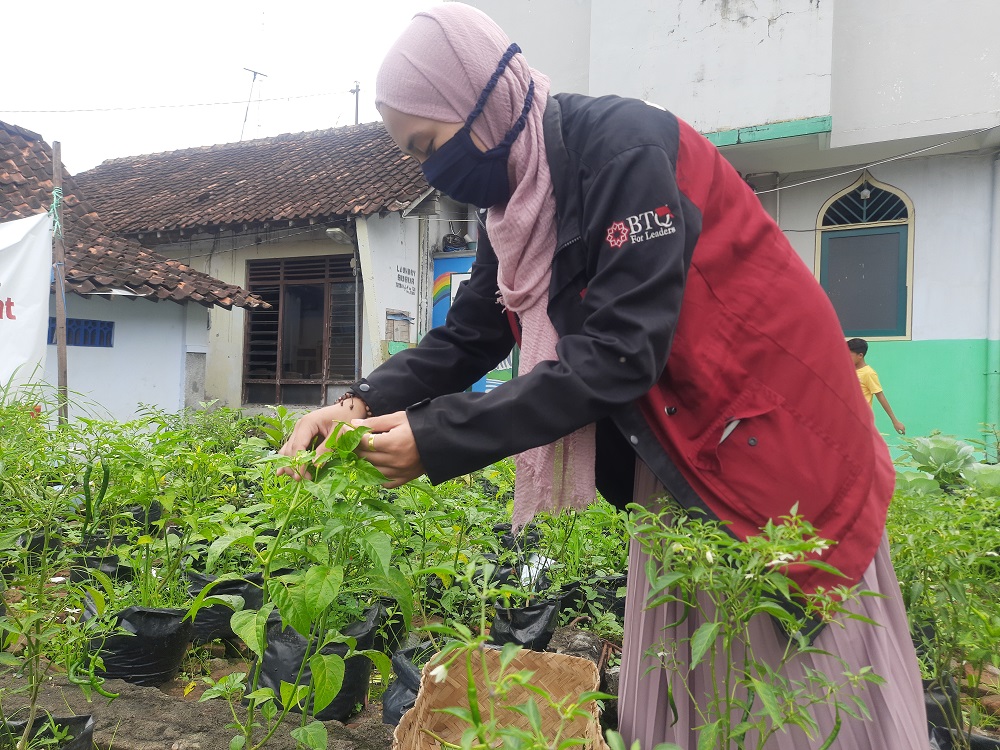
x=159 y=106
x=906 y=155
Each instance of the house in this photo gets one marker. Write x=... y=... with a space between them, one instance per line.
x=336 y=229
x=124 y=349
x=871 y=131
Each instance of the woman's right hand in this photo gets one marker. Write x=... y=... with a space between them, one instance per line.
x=313 y=429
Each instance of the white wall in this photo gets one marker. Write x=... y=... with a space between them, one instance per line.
x=719 y=64
x=903 y=68
x=553 y=34
x=951 y=197
x=390 y=261
x=145 y=365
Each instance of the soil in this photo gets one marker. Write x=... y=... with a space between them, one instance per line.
x=171 y=717
x=163 y=718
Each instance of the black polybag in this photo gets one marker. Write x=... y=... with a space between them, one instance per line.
x=391 y=629
x=944 y=739
x=531 y=626
x=213 y=621
x=286 y=650
x=608 y=599
x=152 y=653
x=527 y=538
x=942 y=701
x=109 y=565
x=401 y=694
x=81 y=732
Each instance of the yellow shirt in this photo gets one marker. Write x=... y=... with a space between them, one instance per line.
x=869 y=382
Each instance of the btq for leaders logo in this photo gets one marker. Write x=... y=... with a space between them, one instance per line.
x=641 y=227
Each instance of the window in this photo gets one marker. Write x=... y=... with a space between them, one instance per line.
x=306 y=344
x=865 y=258
x=81 y=332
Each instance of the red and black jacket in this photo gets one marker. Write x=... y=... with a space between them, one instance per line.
x=690 y=332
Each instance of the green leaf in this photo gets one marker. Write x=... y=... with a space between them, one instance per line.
x=292 y=695
x=767 y=697
x=702 y=640
x=381 y=661
x=313 y=735
x=320 y=588
x=378 y=546
x=238 y=742
x=251 y=626
x=707 y=735
x=241 y=533
x=350 y=438
x=327 y=679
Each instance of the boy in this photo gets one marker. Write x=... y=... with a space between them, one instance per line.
x=869 y=381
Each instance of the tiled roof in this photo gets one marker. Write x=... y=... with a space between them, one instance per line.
x=96 y=259
x=319 y=176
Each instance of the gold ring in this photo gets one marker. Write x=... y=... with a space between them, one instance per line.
x=371 y=442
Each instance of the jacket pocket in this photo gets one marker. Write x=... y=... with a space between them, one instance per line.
x=773 y=459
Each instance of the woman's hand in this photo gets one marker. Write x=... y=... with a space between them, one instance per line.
x=314 y=428
x=390 y=447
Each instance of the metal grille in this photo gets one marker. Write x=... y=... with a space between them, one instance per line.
x=308 y=339
x=866 y=204
x=82 y=332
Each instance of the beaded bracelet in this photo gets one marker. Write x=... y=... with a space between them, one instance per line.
x=350 y=396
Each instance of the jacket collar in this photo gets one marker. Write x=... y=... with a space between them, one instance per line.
x=565 y=187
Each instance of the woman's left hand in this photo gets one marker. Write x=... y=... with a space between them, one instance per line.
x=390 y=447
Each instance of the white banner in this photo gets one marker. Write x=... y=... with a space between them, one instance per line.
x=25 y=273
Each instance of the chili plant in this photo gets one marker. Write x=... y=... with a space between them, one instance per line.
x=696 y=565
x=334 y=530
x=946 y=552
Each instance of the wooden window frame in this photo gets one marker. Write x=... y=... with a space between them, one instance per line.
x=337 y=269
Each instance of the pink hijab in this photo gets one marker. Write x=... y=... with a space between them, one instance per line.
x=437 y=69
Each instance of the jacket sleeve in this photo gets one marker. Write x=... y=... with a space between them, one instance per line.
x=475 y=337
x=636 y=271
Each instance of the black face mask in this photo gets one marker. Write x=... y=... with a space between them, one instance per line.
x=463 y=172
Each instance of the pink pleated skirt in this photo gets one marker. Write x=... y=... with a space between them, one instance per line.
x=898 y=720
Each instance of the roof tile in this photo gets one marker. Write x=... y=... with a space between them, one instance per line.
x=323 y=174
x=97 y=260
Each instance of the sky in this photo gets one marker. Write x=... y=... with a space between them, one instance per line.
x=143 y=64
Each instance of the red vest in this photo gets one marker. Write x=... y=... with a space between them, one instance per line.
x=763 y=345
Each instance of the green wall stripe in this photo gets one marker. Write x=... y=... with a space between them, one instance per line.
x=771 y=131
x=932 y=385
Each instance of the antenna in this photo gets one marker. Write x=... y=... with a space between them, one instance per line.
x=250 y=96
x=356 y=90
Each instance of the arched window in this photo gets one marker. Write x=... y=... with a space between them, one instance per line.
x=864 y=251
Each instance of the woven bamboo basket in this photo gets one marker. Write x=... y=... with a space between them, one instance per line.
x=560 y=675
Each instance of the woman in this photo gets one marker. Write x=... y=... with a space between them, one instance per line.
x=671 y=342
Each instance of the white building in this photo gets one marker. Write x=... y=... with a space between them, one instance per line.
x=335 y=229
x=135 y=319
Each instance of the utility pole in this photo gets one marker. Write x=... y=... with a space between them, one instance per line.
x=356 y=90
x=59 y=265
x=250 y=96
